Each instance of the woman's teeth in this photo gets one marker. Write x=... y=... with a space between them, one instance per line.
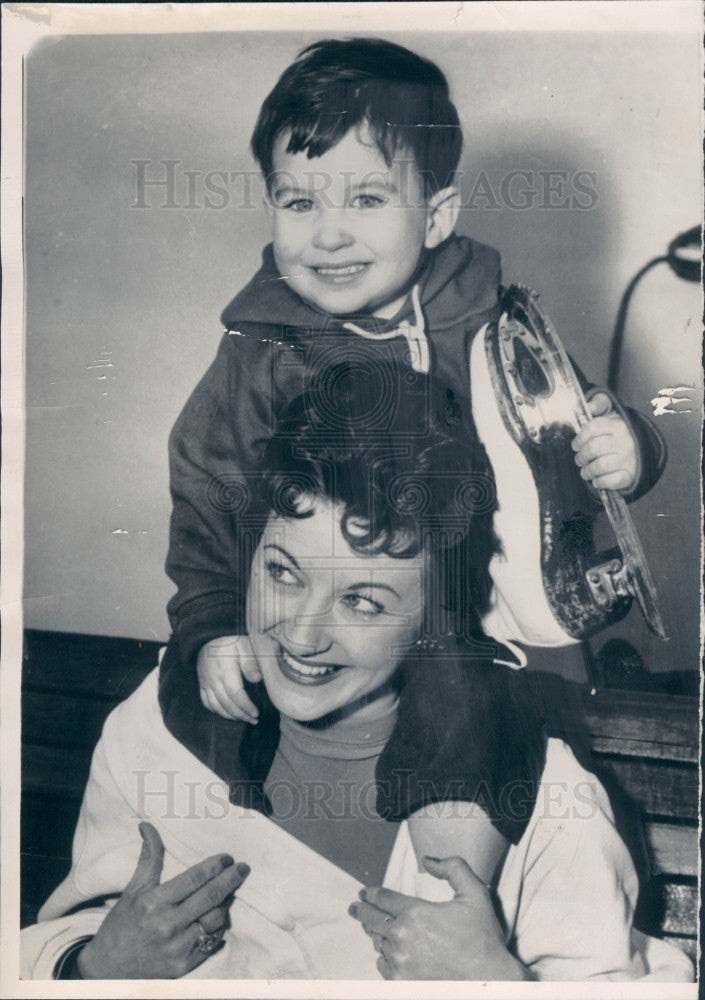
x=307 y=670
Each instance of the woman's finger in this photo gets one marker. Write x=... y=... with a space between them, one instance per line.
x=384 y=967
x=374 y=920
x=186 y=947
x=458 y=873
x=183 y=886
x=377 y=940
x=151 y=861
x=391 y=902
x=215 y=920
x=212 y=895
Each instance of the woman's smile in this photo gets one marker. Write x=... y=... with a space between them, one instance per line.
x=305 y=672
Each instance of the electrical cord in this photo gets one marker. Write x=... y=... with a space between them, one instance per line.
x=684 y=265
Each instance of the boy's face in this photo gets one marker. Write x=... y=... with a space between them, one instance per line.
x=348 y=230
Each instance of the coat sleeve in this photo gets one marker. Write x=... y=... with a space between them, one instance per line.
x=106 y=847
x=575 y=888
x=213 y=451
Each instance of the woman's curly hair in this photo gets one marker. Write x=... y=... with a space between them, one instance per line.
x=402 y=460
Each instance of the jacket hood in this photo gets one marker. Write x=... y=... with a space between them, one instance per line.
x=457 y=279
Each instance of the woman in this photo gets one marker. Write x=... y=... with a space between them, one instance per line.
x=347 y=583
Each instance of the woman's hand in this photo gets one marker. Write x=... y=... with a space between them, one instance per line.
x=460 y=939
x=153 y=930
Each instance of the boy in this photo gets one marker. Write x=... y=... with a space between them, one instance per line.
x=358 y=143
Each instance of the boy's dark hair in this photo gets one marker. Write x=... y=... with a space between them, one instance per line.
x=335 y=85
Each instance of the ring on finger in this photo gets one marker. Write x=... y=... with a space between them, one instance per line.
x=388 y=918
x=207 y=942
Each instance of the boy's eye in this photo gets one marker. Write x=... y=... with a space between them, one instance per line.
x=364 y=604
x=281 y=573
x=367 y=201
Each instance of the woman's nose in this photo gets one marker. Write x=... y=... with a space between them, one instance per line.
x=308 y=630
x=332 y=232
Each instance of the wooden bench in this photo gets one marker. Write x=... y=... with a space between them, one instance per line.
x=644 y=748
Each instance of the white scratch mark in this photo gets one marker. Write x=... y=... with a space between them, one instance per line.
x=663 y=515
x=668 y=399
x=102 y=361
x=120 y=531
x=262 y=340
x=280 y=277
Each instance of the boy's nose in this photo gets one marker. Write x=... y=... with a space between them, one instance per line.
x=332 y=233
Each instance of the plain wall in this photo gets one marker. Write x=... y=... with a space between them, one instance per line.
x=123 y=302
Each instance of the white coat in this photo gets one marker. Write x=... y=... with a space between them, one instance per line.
x=567 y=889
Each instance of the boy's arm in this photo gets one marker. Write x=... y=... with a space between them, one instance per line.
x=212 y=455
x=470 y=732
x=458 y=829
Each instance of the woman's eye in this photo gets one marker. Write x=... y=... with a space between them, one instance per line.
x=364 y=605
x=280 y=573
x=300 y=205
x=367 y=201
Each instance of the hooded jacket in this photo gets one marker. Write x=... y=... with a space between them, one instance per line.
x=273 y=344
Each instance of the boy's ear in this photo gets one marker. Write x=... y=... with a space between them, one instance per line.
x=441 y=216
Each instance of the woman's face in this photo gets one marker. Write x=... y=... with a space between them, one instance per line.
x=329 y=625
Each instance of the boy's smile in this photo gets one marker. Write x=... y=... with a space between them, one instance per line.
x=348 y=230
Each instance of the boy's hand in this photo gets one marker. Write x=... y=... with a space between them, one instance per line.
x=606 y=450
x=221 y=664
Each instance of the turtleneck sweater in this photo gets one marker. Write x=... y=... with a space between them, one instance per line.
x=322 y=790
